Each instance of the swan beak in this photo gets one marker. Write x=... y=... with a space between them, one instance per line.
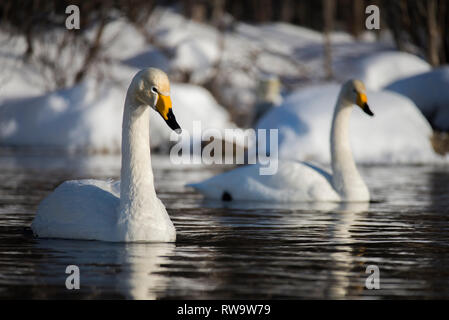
x=362 y=102
x=164 y=107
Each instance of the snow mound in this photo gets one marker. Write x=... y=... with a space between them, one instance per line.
x=430 y=92
x=191 y=103
x=398 y=133
x=121 y=39
x=378 y=70
x=17 y=79
x=88 y=117
x=150 y=57
x=85 y=116
x=194 y=46
x=22 y=78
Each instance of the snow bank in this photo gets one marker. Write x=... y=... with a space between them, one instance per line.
x=88 y=117
x=17 y=79
x=235 y=59
x=398 y=133
x=194 y=46
x=430 y=92
x=149 y=57
x=378 y=70
x=190 y=103
x=21 y=78
x=121 y=40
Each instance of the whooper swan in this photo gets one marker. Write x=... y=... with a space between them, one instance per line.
x=122 y=211
x=298 y=181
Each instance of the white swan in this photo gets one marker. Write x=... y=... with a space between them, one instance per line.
x=126 y=211
x=297 y=181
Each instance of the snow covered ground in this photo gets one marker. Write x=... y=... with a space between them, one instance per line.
x=379 y=70
x=398 y=133
x=21 y=78
x=17 y=79
x=430 y=92
x=87 y=116
x=236 y=59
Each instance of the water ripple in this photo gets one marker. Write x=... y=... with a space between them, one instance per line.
x=234 y=250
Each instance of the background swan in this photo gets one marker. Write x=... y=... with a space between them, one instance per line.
x=126 y=211
x=296 y=181
x=400 y=134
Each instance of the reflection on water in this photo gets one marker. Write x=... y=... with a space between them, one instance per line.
x=237 y=249
x=130 y=269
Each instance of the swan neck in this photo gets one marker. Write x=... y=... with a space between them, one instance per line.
x=346 y=179
x=137 y=182
x=340 y=142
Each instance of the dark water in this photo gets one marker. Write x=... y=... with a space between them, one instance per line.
x=243 y=250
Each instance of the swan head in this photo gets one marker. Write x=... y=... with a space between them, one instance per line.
x=151 y=87
x=355 y=92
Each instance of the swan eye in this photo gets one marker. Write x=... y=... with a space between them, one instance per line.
x=153 y=89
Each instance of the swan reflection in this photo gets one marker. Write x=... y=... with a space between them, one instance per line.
x=132 y=270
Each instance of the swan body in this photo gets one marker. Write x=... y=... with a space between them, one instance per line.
x=128 y=210
x=299 y=181
x=293 y=181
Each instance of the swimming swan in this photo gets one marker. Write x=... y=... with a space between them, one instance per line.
x=122 y=211
x=298 y=181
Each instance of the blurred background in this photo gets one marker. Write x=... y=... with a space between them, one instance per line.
x=231 y=62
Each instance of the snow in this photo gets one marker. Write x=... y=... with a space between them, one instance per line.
x=21 y=78
x=195 y=55
x=236 y=58
x=121 y=40
x=17 y=79
x=430 y=92
x=378 y=70
x=194 y=46
x=398 y=133
x=88 y=116
x=150 y=56
x=85 y=116
x=281 y=49
x=191 y=103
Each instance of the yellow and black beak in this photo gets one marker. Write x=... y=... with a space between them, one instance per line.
x=362 y=102
x=164 y=107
